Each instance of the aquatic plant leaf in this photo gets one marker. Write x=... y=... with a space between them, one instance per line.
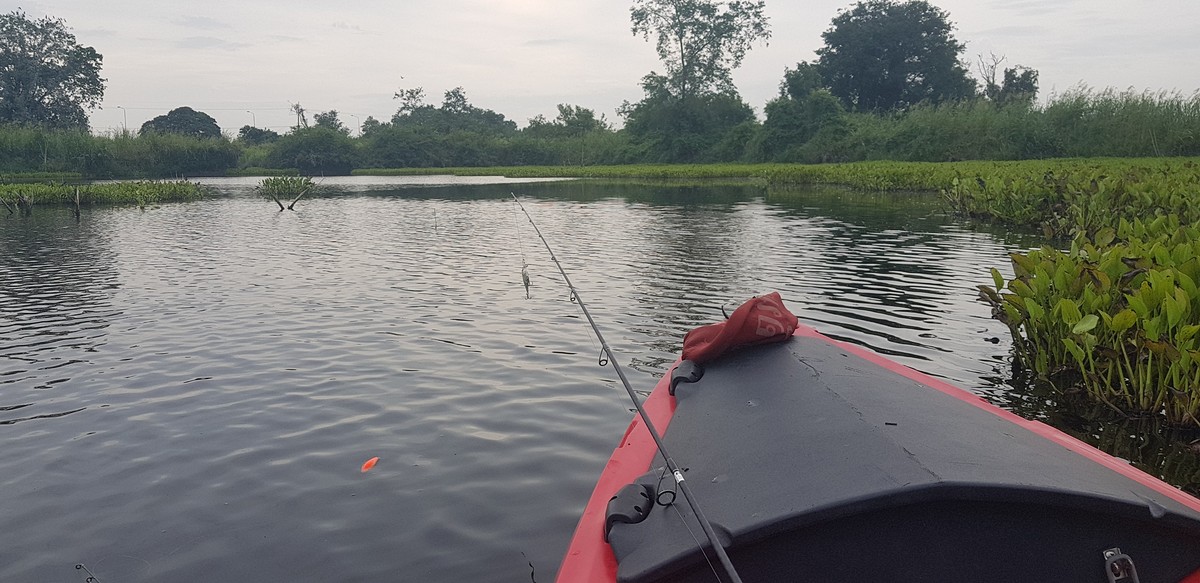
x=989 y=295
x=1187 y=282
x=1086 y=324
x=1074 y=349
x=1099 y=279
x=1187 y=332
x=1068 y=311
x=1036 y=312
x=1013 y=315
x=1152 y=328
x=1174 y=311
x=1128 y=276
x=1137 y=304
x=1023 y=265
x=1020 y=288
x=997 y=278
x=1124 y=320
x=1161 y=255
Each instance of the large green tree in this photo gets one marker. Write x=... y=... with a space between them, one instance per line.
x=700 y=42
x=804 y=122
x=883 y=55
x=693 y=112
x=693 y=129
x=46 y=77
x=185 y=121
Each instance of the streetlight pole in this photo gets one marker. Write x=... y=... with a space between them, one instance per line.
x=357 y=121
x=124 y=119
x=253 y=120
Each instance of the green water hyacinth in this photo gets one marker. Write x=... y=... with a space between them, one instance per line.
x=281 y=188
x=1065 y=197
x=285 y=186
x=141 y=192
x=1117 y=314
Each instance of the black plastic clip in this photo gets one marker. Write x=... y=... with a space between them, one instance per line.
x=630 y=505
x=686 y=372
x=1119 y=567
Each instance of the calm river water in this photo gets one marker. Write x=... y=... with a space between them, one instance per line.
x=187 y=393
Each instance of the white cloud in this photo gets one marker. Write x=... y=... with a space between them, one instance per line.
x=201 y=22
x=522 y=57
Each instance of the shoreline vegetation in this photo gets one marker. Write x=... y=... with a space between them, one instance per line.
x=141 y=193
x=1081 y=123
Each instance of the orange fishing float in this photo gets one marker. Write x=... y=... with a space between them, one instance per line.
x=369 y=464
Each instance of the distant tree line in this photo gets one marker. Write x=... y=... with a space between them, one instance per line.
x=890 y=82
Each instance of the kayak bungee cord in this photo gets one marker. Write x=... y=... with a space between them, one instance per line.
x=91 y=578
x=676 y=471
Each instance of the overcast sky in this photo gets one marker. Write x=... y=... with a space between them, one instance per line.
x=522 y=57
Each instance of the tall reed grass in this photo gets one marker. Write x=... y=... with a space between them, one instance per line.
x=117 y=155
x=1081 y=122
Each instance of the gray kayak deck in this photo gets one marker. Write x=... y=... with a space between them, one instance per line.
x=817 y=464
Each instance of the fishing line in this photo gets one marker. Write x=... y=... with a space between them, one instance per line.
x=674 y=468
x=683 y=521
x=521 y=248
x=662 y=499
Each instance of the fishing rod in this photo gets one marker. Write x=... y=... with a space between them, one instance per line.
x=676 y=471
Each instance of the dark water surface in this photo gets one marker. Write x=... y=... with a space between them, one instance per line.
x=187 y=392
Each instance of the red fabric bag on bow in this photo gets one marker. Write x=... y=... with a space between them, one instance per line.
x=761 y=320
